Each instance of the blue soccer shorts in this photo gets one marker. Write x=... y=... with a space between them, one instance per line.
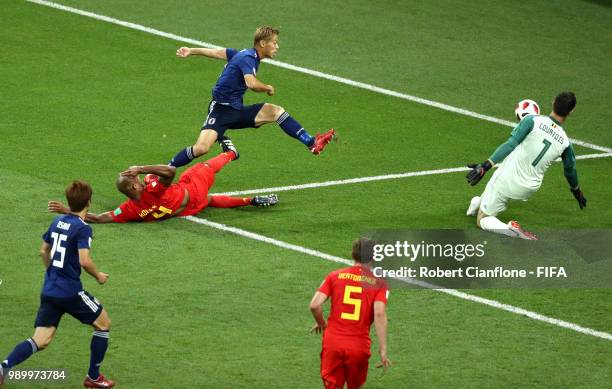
x=224 y=117
x=82 y=306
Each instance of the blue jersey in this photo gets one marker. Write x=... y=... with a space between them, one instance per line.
x=230 y=87
x=66 y=235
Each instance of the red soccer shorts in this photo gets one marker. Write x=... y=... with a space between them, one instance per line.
x=342 y=364
x=198 y=179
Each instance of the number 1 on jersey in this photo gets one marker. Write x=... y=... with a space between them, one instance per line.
x=539 y=157
x=355 y=302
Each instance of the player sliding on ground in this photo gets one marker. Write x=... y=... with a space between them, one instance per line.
x=66 y=248
x=226 y=110
x=157 y=198
x=358 y=298
x=533 y=146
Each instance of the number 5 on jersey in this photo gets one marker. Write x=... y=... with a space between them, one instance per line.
x=355 y=302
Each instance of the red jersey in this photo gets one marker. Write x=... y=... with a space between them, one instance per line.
x=157 y=202
x=353 y=291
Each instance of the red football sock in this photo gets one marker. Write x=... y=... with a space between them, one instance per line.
x=220 y=160
x=228 y=201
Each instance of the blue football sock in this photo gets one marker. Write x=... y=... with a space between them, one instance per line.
x=183 y=157
x=99 y=344
x=20 y=353
x=294 y=129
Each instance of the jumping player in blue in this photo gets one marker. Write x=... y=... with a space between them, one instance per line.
x=226 y=110
x=65 y=249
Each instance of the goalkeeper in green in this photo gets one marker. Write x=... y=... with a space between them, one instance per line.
x=533 y=146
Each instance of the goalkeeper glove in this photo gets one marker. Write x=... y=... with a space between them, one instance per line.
x=477 y=172
x=579 y=197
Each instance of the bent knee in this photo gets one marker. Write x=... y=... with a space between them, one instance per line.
x=278 y=110
x=103 y=325
x=106 y=326
x=271 y=112
x=103 y=322
x=481 y=215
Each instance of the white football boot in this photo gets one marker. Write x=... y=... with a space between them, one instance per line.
x=474 y=205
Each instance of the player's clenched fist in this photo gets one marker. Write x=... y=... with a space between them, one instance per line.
x=102 y=278
x=183 y=52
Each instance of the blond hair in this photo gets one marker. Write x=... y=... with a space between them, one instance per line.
x=264 y=33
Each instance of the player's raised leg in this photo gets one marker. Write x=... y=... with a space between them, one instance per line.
x=205 y=141
x=270 y=113
x=273 y=113
x=99 y=345
x=217 y=163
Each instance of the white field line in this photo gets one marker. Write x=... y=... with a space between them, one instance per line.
x=300 y=69
x=369 y=179
x=452 y=292
x=372 y=88
x=344 y=182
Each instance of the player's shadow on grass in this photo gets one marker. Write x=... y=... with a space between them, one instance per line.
x=605 y=3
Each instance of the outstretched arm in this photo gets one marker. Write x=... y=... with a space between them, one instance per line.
x=166 y=173
x=518 y=135
x=58 y=207
x=99 y=218
x=185 y=52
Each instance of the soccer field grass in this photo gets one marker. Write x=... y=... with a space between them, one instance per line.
x=193 y=306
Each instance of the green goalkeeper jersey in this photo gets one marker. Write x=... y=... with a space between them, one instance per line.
x=535 y=143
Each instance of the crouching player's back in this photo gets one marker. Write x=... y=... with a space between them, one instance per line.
x=358 y=299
